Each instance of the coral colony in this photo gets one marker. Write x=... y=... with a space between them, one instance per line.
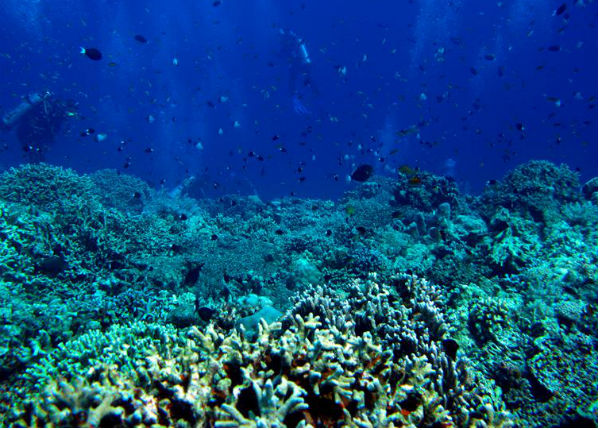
x=126 y=306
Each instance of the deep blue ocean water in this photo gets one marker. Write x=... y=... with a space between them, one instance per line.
x=221 y=90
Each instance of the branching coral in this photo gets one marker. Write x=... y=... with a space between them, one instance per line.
x=371 y=367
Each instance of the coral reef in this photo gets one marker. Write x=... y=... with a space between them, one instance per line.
x=301 y=371
x=123 y=305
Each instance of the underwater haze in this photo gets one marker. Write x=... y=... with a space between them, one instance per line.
x=465 y=89
x=238 y=213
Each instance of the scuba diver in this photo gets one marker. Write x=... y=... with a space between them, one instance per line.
x=294 y=49
x=37 y=120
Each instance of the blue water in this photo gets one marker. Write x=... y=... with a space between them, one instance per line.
x=468 y=89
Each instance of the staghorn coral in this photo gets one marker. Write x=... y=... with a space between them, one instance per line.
x=405 y=317
x=406 y=320
x=316 y=370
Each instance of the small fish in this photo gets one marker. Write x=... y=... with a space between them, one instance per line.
x=554 y=100
x=51 y=266
x=362 y=173
x=140 y=38
x=91 y=53
x=100 y=137
x=87 y=132
x=554 y=48
x=490 y=57
x=407 y=131
x=519 y=126
x=559 y=10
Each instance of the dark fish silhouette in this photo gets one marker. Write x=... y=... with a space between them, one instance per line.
x=362 y=173
x=560 y=9
x=92 y=53
x=51 y=266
